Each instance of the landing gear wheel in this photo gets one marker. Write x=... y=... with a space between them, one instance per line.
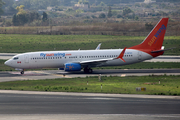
x=85 y=70
x=88 y=70
x=22 y=72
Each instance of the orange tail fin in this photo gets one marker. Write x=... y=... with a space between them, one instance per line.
x=155 y=38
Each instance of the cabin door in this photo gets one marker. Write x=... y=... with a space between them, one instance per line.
x=26 y=58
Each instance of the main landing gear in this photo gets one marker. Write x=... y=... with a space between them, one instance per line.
x=88 y=70
x=22 y=72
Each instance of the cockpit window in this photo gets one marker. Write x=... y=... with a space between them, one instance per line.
x=15 y=58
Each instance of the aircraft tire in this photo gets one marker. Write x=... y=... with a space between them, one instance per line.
x=86 y=70
x=22 y=72
x=90 y=70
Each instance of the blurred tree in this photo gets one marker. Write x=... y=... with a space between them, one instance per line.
x=109 y=12
x=93 y=16
x=9 y=10
x=126 y=11
x=23 y=18
x=80 y=1
x=119 y=16
x=102 y=15
x=20 y=10
x=1 y=4
x=32 y=16
x=79 y=11
x=8 y=3
x=102 y=4
x=136 y=18
x=14 y=20
x=45 y=16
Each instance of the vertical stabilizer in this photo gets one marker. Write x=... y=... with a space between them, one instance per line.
x=155 y=38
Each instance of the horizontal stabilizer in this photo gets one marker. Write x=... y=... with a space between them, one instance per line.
x=162 y=50
x=121 y=55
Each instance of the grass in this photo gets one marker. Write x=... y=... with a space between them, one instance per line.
x=15 y=43
x=170 y=85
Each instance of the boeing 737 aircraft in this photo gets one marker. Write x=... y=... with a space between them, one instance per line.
x=86 y=59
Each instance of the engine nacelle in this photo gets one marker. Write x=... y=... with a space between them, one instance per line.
x=72 y=67
x=60 y=68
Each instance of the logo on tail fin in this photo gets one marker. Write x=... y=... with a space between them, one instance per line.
x=157 y=35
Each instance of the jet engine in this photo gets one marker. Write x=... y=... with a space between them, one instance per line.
x=72 y=67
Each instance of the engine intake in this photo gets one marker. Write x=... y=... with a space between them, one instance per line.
x=72 y=67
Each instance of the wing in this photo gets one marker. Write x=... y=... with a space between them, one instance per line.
x=98 y=62
x=98 y=47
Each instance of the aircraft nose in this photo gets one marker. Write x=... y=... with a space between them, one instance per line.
x=7 y=63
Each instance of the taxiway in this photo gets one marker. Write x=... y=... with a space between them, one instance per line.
x=52 y=74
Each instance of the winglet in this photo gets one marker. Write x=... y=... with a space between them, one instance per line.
x=98 y=47
x=122 y=54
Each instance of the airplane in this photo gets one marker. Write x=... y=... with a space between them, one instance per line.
x=76 y=60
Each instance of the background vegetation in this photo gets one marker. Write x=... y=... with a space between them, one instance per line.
x=102 y=17
x=28 y=43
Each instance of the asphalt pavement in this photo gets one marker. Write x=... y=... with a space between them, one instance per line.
x=52 y=74
x=78 y=106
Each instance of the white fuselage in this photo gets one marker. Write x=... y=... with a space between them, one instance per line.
x=57 y=59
